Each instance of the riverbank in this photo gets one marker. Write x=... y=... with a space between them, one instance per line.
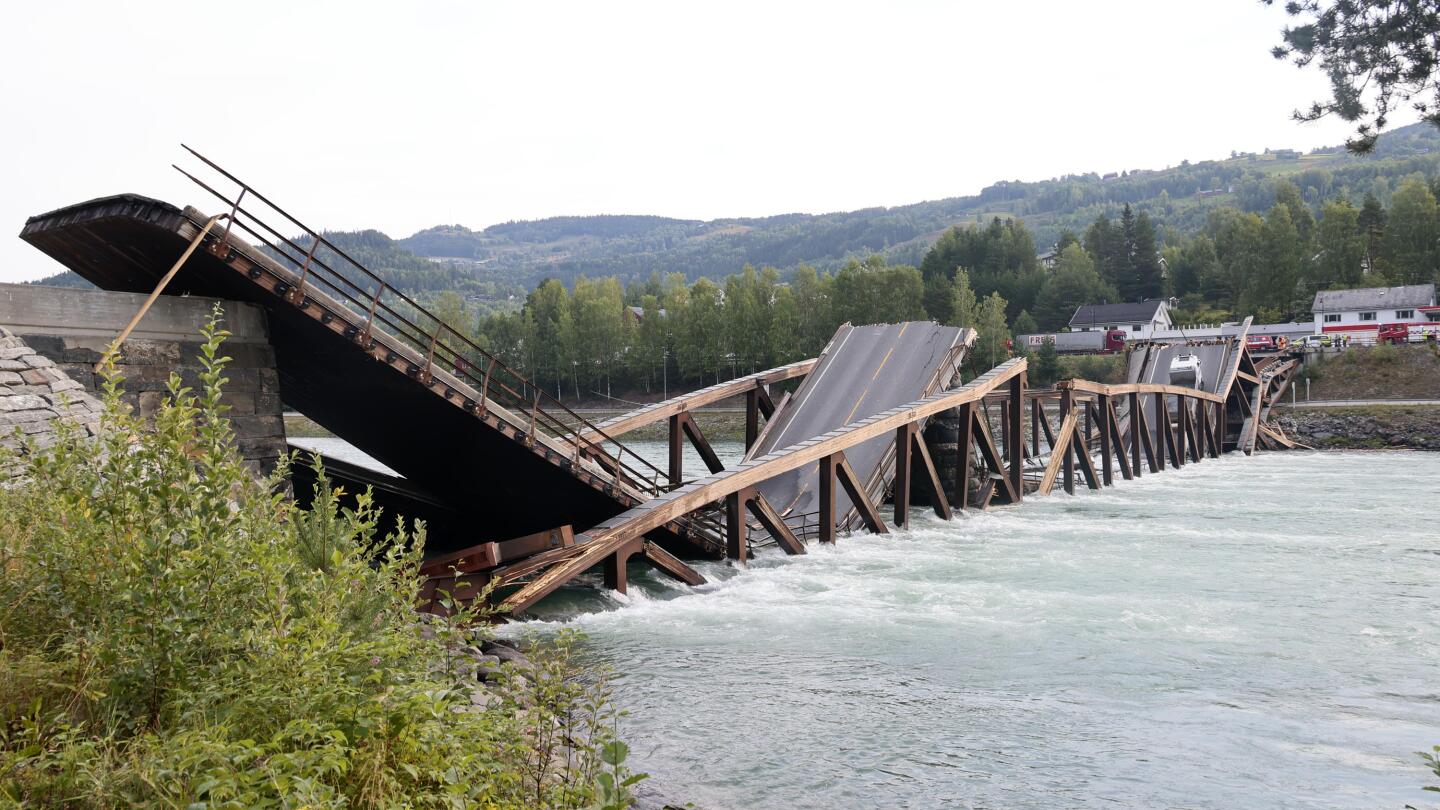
x=1415 y=427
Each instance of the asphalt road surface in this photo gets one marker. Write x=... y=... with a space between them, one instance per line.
x=865 y=370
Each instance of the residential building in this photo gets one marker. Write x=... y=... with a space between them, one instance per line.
x=1361 y=312
x=1139 y=320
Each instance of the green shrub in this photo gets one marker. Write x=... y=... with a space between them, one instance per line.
x=175 y=632
x=1386 y=354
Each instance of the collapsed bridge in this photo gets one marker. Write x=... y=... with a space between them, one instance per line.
x=543 y=495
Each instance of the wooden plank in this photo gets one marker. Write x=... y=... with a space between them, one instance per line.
x=938 y=501
x=466 y=560
x=1161 y=430
x=845 y=474
x=774 y=524
x=670 y=565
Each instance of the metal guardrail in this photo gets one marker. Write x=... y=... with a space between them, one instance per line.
x=397 y=315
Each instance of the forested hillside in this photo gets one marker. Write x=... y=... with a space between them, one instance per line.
x=1179 y=198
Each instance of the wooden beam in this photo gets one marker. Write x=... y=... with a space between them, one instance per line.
x=1058 y=451
x=752 y=417
x=964 y=456
x=620 y=425
x=856 y=490
x=737 y=541
x=1182 y=429
x=1089 y=387
x=1137 y=427
x=1067 y=461
x=1087 y=464
x=1037 y=415
x=670 y=565
x=827 y=499
x=1107 y=473
x=900 y=494
x=676 y=451
x=697 y=439
x=616 y=576
x=938 y=501
x=774 y=524
x=1161 y=430
x=1152 y=458
x=656 y=512
x=1119 y=449
x=991 y=454
x=1016 y=413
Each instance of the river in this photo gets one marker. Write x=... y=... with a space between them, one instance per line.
x=1241 y=633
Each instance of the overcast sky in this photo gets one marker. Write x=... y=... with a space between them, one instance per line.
x=402 y=115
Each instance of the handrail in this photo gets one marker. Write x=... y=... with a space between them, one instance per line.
x=1121 y=389
x=695 y=399
x=647 y=476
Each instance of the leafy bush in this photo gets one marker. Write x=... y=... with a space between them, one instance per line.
x=1386 y=354
x=175 y=632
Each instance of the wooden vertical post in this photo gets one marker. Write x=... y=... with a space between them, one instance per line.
x=752 y=417
x=1037 y=412
x=827 y=499
x=1182 y=427
x=904 y=435
x=616 y=577
x=1159 y=428
x=1106 y=474
x=1067 y=404
x=677 y=451
x=1016 y=436
x=1135 y=433
x=736 y=542
x=962 y=457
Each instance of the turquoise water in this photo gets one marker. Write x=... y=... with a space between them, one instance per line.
x=1242 y=633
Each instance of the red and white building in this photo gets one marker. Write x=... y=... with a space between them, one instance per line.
x=1360 y=313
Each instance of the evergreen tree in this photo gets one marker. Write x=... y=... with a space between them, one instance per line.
x=1145 y=278
x=1372 y=226
x=1024 y=325
x=1046 y=369
x=1340 y=247
x=1412 y=236
x=963 y=308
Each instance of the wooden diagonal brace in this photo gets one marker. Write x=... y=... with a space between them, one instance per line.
x=845 y=474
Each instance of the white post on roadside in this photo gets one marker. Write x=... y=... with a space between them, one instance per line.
x=1307 y=389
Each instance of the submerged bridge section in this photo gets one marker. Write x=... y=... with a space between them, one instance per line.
x=551 y=495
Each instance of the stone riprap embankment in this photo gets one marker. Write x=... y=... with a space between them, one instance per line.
x=35 y=395
x=1365 y=427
